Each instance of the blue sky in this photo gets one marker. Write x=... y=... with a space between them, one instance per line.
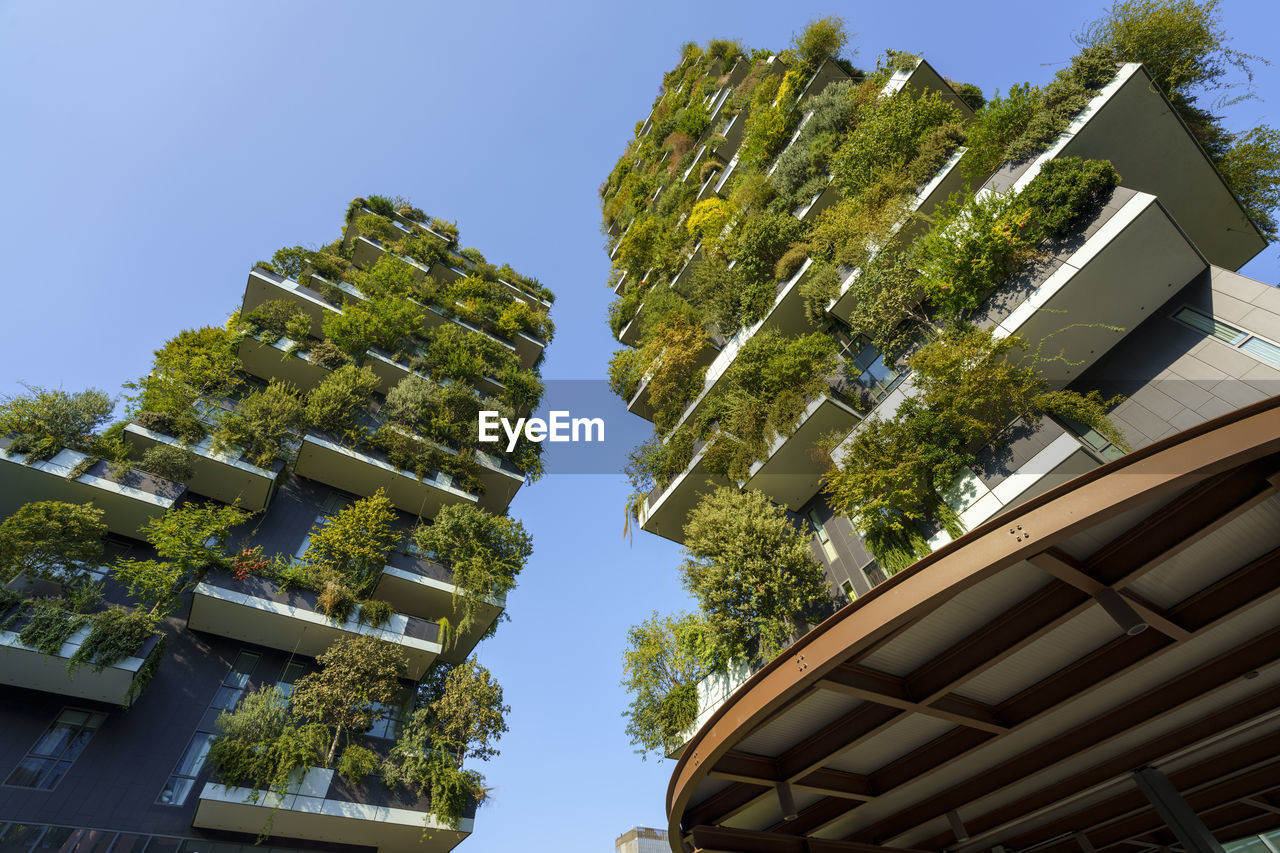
x=154 y=151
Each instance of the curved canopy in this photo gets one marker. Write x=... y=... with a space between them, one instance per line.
x=1002 y=691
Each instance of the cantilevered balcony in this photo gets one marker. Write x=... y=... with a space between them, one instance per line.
x=128 y=499
x=280 y=359
x=640 y=403
x=1035 y=458
x=366 y=251
x=322 y=807
x=118 y=684
x=948 y=179
x=363 y=471
x=1130 y=123
x=426 y=590
x=666 y=509
x=255 y=610
x=265 y=285
x=1077 y=303
x=791 y=474
x=923 y=78
x=224 y=475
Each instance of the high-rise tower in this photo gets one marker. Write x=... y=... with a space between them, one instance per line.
x=872 y=316
x=248 y=611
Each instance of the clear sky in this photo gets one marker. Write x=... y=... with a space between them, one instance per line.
x=153 y=151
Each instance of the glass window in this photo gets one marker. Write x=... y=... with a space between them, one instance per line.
x=292 y=672
x=848 y=589
x=18 y=837
x=1204 y=323
x=234 y=685
x=51 y=756
x=1265 y=350
x=817 y=526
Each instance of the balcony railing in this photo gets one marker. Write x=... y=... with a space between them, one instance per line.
x=127 y=498
x=321 y=807
x=223 y=475
x=256 y=610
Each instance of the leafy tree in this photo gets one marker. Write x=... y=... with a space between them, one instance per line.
x=750 y=569
x=1252 y=168
x=194 y=363
x=822 y=39
x=1181 y=42
x=462 y=717
x=469 y=715
x=665 y=658
x=969 y=389
x=189 y=539
x=485 y=552
x=352 y=546
x=43 y=422
x=357 y=684
x=261 y=745
x=52 y=540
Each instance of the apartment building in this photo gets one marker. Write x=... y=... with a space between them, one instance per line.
x=339 y=397
x=782 y=205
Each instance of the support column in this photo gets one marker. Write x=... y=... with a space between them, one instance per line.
x=1184 y=823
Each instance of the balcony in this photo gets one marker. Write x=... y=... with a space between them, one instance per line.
x=949 y=179
x=792 y=472
x=1078 y=302
x=666 y=510
x=1131 y=124
x=128 y=499
x=25 y=667
x=423 y=589
x=323 y=808
x=363 y=471
x=264 y=285
x=925 y=79
x=1036 y=458
x=1121 y=267
x=255 y=610
x=222 y=475
x=640 y=403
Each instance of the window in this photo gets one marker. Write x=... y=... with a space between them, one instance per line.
x=389 y=726
x=847 y=588
x=1246 y=342
x=51 y=757
x=225 y=698
x=867 y=367
x=817 y=526
x=292 y=672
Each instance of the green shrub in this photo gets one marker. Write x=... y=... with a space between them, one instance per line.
x=375 y=613
x=356 y=763
x=49 y=626
x=117 y=633
x=263 y=423
x=340 y=398
x=169 y=462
